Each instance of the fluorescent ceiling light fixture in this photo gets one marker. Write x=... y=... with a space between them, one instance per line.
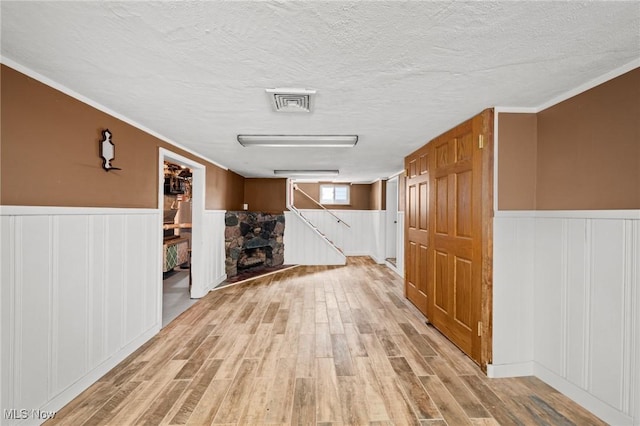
x=299 y=141
x=306 y=172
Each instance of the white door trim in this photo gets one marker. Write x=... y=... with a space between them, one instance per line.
x=198 y=284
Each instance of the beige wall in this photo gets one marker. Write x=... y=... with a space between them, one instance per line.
x=378 y=197
x=360 y=197
x=266 y=195
x=225 y=189
x=589 y=149
x=517 y=161
x=50 y=156
x=581 y=154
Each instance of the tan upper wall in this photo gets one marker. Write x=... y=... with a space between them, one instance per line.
x=378 y=197
x=266 y=195
x=581 y=154
x=589 y=149
x=360 y=197
x=225 y=189
x=50 y=156
x=517 y=161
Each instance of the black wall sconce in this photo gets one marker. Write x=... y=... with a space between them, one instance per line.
x=107 y=151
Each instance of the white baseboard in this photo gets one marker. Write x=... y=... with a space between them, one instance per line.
x=496 y=371
x=601 y=409
x=217 y=282
x=90 y=378
x=393 y=268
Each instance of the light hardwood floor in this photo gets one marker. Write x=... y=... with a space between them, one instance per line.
x=311 y=345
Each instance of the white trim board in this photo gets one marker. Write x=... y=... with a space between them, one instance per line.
x=573 y=92
x=590 y=84
x=198 y=286
x=569 y=214
x=522 y=369
x=59 y=211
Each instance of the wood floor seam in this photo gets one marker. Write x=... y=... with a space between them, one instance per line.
x=311 y=345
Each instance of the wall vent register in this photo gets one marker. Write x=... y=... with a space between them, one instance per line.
x=291 y=100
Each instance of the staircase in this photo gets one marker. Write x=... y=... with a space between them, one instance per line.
x=333 y=254
x=315 y=228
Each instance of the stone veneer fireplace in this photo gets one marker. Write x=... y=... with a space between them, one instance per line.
x=253 y=239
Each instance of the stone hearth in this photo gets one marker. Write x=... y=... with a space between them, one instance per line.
x=253 y=239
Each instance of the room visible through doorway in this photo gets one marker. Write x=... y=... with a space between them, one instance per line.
x=176 y=241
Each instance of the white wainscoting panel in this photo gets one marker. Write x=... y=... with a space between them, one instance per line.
x=378 y=235
x=400 y=244
x=214 y=250
x=364 y=237
x=580 y=272
x=79 y=294
x=513 y=246
x=304 y=246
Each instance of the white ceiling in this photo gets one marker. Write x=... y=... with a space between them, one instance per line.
x=395 y=73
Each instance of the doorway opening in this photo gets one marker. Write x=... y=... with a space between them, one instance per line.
x=176 y=241
x=181 y=200
x=391 y=224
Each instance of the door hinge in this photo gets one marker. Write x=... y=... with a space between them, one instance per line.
x=480 y=141
x=479 y=328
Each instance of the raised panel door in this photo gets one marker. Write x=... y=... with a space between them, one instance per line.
x=417 y=229
x=454 y=284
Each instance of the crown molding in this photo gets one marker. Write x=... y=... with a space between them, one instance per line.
x=590 y=84
x=571 y=93
x=67 y=91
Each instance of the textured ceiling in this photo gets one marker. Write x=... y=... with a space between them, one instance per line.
x=395 y=73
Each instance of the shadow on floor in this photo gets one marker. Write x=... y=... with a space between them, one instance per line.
x=175 y=295
x=255 y=272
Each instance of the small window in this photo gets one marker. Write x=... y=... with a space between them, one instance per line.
x=334 y=194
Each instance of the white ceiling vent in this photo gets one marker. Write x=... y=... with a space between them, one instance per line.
x=291 y=100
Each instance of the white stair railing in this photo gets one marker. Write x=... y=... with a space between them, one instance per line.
x=293 y=187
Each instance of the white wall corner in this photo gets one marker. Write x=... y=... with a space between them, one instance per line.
x=217 y=282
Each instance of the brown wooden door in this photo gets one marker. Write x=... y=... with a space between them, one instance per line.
x=448 y=254
x=455 y=258
x=417 y=229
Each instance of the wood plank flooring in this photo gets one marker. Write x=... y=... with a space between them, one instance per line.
x=311 y=345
